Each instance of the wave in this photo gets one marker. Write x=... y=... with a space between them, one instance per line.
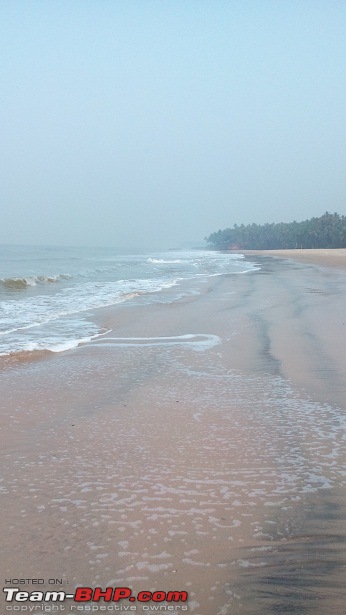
x=19 y=283
x=34 y=311
x=162 y=261
x=25 y=350
x=54 y=316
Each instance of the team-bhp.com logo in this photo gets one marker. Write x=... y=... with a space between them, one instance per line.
x=87 y=594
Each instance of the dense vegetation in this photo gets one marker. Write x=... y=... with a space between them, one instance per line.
x=328 y=231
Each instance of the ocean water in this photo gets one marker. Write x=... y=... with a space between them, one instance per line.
x=48 y=295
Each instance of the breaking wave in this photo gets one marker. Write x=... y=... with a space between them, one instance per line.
x=19 y=283
x=162 y=261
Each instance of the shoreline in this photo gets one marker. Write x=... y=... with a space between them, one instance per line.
x=325 y=257
x=188 y=466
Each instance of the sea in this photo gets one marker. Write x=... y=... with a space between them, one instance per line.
x=49 y=295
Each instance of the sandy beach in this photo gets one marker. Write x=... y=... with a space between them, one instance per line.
x=197 y=447
x=324 y=257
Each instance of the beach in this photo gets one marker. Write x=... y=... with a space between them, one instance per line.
x=323 y=256
x=198 y=445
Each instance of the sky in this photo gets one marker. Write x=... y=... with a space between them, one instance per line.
x=153 y=123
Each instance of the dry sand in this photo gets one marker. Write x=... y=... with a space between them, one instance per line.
x=325 y=257
x=212 y=464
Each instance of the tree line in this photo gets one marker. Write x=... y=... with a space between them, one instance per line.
x=327 y=231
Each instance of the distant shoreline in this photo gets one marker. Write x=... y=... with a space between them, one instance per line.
x=326 y=257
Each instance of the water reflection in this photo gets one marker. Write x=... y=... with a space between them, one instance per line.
x=304 y=571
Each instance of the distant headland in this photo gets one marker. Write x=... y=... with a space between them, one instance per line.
x=327 y=231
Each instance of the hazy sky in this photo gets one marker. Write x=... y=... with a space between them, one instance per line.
x=155 y=122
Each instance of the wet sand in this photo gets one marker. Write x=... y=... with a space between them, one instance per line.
x=212 y=464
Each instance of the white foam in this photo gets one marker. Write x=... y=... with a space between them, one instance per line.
x=63 y=346
x=162 y=261
x=195 y=340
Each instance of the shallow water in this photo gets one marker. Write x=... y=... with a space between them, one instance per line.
x=220 y=494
